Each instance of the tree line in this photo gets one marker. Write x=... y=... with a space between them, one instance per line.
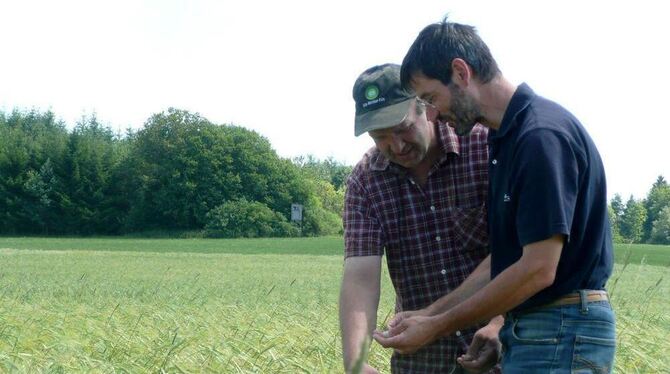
x=183 y=173
x=178 y=173
x=645 y=220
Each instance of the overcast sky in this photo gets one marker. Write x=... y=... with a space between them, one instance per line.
x=286 y=68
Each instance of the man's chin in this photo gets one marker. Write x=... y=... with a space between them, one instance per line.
x=406 y=163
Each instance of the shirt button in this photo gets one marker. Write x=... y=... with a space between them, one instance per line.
x=443 y=271
x=438 y=238
x=412 y=181
x=494 y=161
x=432 y=208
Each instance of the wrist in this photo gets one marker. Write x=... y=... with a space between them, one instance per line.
x=441 y=324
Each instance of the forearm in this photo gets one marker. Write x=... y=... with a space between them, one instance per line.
x=359 y=300
x=531 y=274
x=479 y=278
x=502 y=294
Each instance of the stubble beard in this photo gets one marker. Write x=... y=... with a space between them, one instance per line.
x=417 y=157
x=465 y=113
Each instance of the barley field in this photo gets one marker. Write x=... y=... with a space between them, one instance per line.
x=125 y=305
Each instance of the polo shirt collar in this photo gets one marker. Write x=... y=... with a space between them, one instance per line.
x=520 y=100
x=448 y=143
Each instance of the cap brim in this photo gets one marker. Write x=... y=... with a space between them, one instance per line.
x=382 y=118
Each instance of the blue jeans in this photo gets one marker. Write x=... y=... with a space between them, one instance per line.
x=576 y=338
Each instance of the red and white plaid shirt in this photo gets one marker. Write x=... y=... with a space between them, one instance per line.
x=433 y=235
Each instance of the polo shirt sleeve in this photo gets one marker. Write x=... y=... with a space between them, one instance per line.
x=546 y=185
x=362 y=231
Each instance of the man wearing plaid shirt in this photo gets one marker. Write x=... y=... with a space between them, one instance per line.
x=417 y=196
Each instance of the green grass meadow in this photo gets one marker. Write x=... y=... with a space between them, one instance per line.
x=131 y=305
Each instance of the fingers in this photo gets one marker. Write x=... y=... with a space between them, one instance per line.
x=408 y=336
x=477 y=342
x=387 y=340
x=483 y=360
x=396 y=319
x=395 y=342
x=394 y=330
x=477 y=366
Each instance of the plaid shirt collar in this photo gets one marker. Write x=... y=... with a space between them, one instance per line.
x=447 y=139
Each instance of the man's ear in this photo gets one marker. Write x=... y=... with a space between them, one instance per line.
x=461 y=73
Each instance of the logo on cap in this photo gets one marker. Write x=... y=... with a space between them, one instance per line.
x=371 y=92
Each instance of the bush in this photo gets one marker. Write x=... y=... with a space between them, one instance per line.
x=317 y=220
x=247 y=219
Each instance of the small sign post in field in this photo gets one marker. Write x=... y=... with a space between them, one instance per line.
x=296 y=215
x=296 y=212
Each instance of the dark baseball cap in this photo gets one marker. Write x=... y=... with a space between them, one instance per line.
x=380 y=100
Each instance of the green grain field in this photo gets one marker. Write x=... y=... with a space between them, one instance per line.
x=248 y=306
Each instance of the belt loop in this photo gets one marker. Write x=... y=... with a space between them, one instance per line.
x=584 y=301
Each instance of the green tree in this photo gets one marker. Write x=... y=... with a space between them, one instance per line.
x=93 y=153
x=32 y=149
x=657 y=199
x=616 y=209
x=329 y=170
x=614 y=224
x=632 y=221
x=331 y=199
x=326 y=180
x=179 y=160
x=319 y=221
x=264 y=176
x=617 y=206
x=41 y=188
x=660 y=232
x=185 y=166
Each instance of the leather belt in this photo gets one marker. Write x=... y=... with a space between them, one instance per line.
x=573 y=298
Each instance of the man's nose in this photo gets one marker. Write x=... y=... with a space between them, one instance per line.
x=397 y=144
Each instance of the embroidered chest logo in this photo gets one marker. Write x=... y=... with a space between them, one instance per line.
x=506 y=198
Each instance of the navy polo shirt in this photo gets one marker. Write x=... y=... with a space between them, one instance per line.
x=547 y=178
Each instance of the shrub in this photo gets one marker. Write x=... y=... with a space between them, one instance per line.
x=319 y=221
x=248 y=219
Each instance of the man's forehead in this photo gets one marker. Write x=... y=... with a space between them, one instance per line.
x=420 y=84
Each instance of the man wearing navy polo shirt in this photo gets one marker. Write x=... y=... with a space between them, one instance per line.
x=551 y=251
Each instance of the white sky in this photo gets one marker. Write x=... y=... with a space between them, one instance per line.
x=286 y=68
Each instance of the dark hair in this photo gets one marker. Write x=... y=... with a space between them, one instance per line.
x=438 y=45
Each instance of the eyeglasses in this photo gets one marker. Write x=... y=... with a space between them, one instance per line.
x=430 y=109
x=425 y=103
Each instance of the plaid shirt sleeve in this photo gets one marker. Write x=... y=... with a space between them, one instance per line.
x=362 y=230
